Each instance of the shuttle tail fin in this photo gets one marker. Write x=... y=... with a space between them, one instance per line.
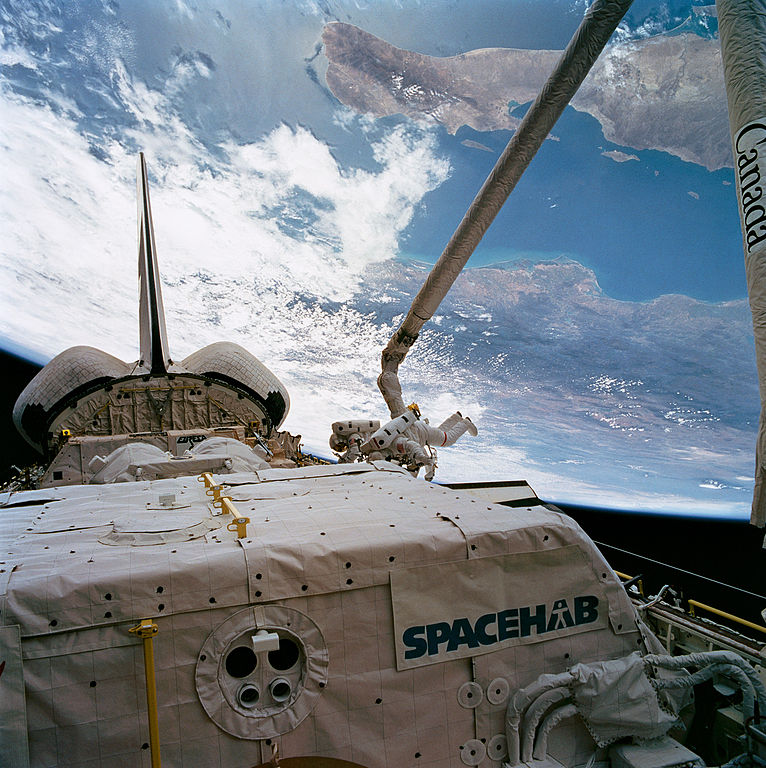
x=154 y=352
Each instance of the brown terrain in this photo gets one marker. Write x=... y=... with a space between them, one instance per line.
x=664 y=93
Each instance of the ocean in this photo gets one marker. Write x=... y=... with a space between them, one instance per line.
x=646 y=227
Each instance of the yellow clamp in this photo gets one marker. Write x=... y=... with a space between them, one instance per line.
x=239 y=524
x=211 y=488
x=226 y=505
x=146 y=629
x=414 y=408
x=639 y=583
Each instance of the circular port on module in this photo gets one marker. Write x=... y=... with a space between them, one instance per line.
x=287 y=655
x=248 y=696
x=241 y=661
x=280 y=690
x=245 y=693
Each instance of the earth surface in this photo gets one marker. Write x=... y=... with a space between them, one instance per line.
x=309 y=161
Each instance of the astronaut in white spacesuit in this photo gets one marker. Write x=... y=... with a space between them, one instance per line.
x=409 y=439
x=417 y=445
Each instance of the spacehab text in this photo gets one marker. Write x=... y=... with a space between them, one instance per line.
x=464 y=608
x=493 y=628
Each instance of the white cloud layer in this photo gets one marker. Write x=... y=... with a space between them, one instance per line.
x=71 y=227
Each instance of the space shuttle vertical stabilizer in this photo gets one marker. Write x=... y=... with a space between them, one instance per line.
x=742 y=26
x=154 y=353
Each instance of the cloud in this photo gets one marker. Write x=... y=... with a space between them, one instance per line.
x=67 y=217
x=13 y=55
x=281 y=211
x=652 y=25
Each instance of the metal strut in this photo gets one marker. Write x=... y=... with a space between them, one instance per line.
x=146 y=630
x=584 y=48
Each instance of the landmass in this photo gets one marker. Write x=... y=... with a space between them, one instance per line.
x=619 y=157
x=664 y=92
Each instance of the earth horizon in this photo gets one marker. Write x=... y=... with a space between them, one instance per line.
x=309 y=162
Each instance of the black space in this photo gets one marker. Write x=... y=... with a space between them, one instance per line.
x=726 y=551
x=14 y=450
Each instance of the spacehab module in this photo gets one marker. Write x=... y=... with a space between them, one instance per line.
x=350 y=612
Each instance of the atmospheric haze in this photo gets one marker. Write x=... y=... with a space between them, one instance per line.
x=601 y=340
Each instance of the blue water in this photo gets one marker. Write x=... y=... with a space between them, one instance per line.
x=447 y=28
x=634 y=223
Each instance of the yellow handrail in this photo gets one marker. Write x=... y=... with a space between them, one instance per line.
x=239 y=523
x=639 y=583
x=211 y=488
x=207 y=479
x=696 y=604
x=744 y=622
x=146 y=630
